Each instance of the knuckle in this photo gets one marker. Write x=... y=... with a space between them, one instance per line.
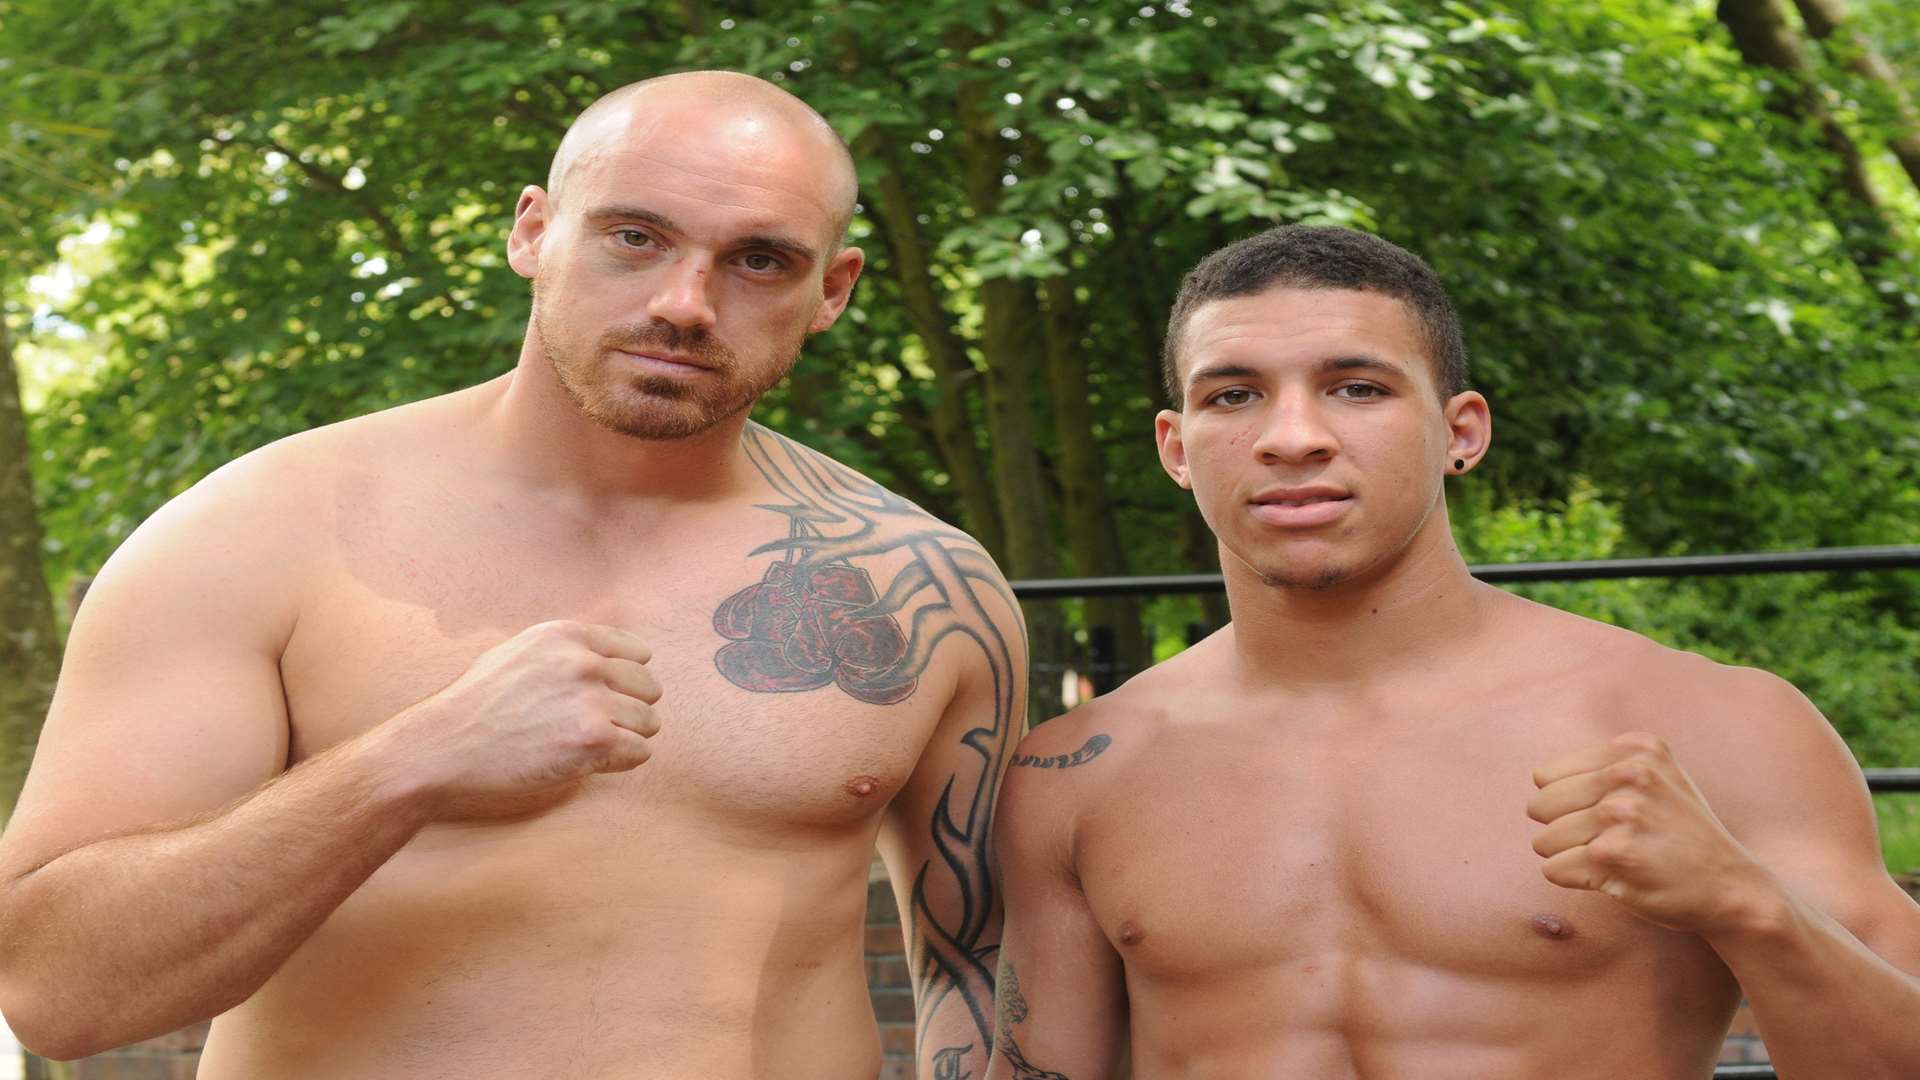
x=1624 y=810
x=1608 y=850
x=1630 y=774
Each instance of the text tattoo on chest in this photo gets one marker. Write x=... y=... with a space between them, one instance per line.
x=816 y=618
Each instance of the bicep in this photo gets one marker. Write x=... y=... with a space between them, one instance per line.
x=1799 y=803
x=169 y=702
x=941 y=820
x=1061 y=1006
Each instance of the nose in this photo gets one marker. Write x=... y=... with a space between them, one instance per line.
x=682 y=297
x=1295 y=431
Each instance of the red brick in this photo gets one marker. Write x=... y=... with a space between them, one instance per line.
x=884 y=941
x=888 y=971
x=893 y=1005
x=896 y=1039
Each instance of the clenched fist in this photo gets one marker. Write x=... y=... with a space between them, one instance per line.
x=1623 y=818
x=552 y=705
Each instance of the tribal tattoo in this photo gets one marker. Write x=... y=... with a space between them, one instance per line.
x=816 y=618
x=1089 y=750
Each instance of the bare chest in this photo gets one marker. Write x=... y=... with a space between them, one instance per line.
x=1354 y=860
x=776 y=706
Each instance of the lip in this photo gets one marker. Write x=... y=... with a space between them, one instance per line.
x=1300 y=508
x=665 y=363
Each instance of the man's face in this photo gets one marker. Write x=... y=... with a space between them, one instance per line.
x=691 y=254
x=1312 y=434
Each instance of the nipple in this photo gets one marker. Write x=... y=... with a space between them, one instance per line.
x=862 y=786
x=1130 y=934
x=1549 y=925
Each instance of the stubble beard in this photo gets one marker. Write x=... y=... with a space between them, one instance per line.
x=1322 y=579
x=652 y=407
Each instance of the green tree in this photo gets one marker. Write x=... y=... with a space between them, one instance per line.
x=311 y=226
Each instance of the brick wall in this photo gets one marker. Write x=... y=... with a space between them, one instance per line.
x=887 y=979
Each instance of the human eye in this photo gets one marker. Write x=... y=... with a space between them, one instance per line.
x=761 y=262
x=1360 y=391
x=635 y=239
x=1231 y=397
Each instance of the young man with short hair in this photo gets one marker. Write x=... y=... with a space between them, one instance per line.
x=1394 y=822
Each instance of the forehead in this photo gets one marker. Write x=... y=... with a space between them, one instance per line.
x=745 y=168
x=1283 y=324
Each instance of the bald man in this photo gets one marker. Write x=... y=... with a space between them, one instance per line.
x=546 y=728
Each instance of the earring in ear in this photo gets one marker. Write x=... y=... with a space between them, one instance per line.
x=1459 y=464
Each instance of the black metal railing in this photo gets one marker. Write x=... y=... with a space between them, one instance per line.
x=1891 y=557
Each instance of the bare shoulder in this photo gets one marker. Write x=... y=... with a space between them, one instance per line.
x=858 y=544
x=252 y=522
x=1745 y=735
x=1084 y=763
x=837 y=497
x=842 y=515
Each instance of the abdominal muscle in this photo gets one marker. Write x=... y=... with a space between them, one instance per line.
x=563 y=947
x=1345 y=1016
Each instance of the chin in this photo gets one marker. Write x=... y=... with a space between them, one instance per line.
x=658 y=421
x=1313 y=578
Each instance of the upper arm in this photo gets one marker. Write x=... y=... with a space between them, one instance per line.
x=936 y=833
x=1062 y=1004
x=1793 y=796
x=169 y=702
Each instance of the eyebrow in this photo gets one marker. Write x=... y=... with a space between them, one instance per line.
x=768 y=241
x=1342 y=363
x=1364 y=363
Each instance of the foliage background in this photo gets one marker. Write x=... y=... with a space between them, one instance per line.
x=228 y=221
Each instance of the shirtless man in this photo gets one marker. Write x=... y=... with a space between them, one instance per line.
x=1393 y=822
x=544 y=729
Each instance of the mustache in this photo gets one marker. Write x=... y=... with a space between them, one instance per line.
x=666 y=337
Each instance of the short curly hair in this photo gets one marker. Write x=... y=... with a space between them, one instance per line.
x=1322 y=257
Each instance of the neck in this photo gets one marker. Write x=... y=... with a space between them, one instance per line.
x=1412 y=614
x=544 y=441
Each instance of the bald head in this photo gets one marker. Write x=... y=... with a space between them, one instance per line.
x=723 y=102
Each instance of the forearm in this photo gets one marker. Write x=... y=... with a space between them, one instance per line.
x=1826 y=1005
x=134 y=936
x=951 y=1042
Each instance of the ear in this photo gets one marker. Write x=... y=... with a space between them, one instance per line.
x=837 y=287
x=1173 y=452
x=1469 y=429
x=530 y=218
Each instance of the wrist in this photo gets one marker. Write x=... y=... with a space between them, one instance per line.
x=400 y=779
x=1755 y=907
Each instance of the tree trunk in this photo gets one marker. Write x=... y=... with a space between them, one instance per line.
x=1093 y=530
x=1765 y=40
x=1824 y=19
x=1010 y=339
x=29 y=645
x=946 y=353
